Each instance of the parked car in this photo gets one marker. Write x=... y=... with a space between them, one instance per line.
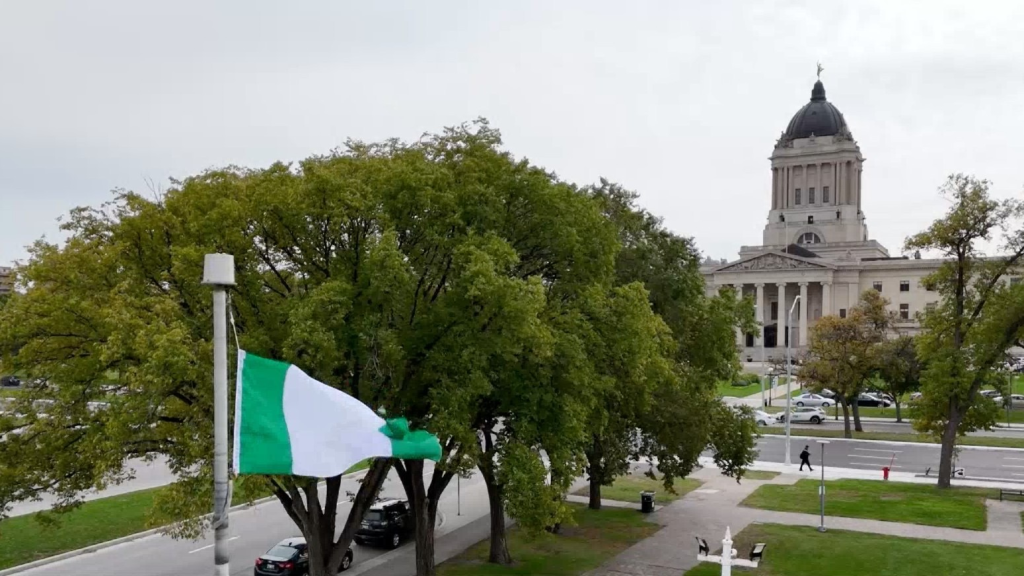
x=763 y=418
x=10 y=381
x=866 y=399
x=828 y=394
x=812 y=400
x=916 y=396
x=290 y=557
x=386 y=523
x=799 y=415
x=990 y=393
x=1016 y=401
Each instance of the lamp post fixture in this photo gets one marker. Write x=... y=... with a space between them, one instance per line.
x=821 y=489
x=789 y=378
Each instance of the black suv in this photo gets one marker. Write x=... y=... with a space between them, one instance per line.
x=386 y=523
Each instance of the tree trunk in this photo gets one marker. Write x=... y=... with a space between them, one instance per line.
x=423 y=501
x=948 y=447
x=595 y=493
x=499 y=541
x=899 y=418
x=856 y=416
x=847 y=433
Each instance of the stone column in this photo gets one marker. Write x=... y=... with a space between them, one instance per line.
x=826 y=298
x=760 y=314
x=840 y=189
x=803 y=313
x=780 y=339
x=853 y=296
x=740 y=341
x=820 y=200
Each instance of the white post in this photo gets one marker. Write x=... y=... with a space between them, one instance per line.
x=727 y=553
x=789 y=377
x=219 y=272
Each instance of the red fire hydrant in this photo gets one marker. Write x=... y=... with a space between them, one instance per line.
x=885 y=473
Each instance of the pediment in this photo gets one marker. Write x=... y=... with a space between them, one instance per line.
x=773 y=261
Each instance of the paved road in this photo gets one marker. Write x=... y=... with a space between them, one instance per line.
x=253 y=532
x=915 y=459
x=905 y=428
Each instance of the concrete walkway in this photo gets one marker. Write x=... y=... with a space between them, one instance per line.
x=707 y=512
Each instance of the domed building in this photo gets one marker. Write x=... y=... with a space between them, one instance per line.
x=816 y=244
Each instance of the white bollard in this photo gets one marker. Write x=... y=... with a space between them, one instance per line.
x=727 y=553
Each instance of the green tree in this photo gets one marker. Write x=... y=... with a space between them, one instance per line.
x=980 y=316
x=899 y=367
x=381 y=269
x=670 y=412
x=841 y=353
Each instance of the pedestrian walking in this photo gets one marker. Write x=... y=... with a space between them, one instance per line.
x=805 y=458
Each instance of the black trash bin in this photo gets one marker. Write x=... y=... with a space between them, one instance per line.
x=647 y=502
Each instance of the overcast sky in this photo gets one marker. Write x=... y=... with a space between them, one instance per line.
x=681 y=101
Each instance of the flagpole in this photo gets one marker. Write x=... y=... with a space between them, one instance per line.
x=219 y=272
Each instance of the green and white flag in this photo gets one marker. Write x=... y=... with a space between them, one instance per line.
x=288 y=423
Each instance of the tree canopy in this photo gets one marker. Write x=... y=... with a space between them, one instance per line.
x=981 y=313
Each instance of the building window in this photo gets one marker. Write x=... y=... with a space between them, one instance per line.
x=930 y=307
x=808 y=237
x=904 y=285
x=877 y=286
x=810 y=219
x=810 y=195
x=904 y=311
x=842 y=312
x=797 y=196
x=824 y=194
x=775 y=311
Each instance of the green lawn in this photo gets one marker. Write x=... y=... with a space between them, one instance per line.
x=802 y=551
x=993 y=441
x=596 y=537
x=891 y=501
x=727 y=389
x=24 y=539
x=628 y=488
x=759 y=475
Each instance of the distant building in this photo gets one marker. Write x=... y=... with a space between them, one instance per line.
x=6 y=279
x=816 y=242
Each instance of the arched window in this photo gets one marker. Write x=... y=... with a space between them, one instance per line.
x=809 y=238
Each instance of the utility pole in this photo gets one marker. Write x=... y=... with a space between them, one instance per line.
x=219 y=272
x=789 y=379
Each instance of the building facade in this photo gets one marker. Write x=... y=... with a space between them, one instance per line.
x=815 y=244
x=6 y=280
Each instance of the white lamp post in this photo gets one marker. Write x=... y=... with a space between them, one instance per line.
x=219 y=272
x=789 y=379
x=821 y=490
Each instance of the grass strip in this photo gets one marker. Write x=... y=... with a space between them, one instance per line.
x=597 y=536
x=628 y=488
x=876 y=500
x=803 y=551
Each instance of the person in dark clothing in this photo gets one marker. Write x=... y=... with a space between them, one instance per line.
x=805 y=458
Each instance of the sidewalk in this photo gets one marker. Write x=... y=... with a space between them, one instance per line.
x=708 y=511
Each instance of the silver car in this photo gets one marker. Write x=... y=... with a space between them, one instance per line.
x=763 y=418
x=804 y=415
x=811 y=399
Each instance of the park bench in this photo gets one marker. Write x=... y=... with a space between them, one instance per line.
x=1003 y=492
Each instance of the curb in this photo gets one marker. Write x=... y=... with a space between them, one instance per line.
x=126 y=539
x=892 y=442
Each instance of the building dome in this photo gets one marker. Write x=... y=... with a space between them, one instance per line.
x=818 y=117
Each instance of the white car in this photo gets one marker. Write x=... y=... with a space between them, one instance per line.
x=812 y=400
x=763 y=418
x=802 y=415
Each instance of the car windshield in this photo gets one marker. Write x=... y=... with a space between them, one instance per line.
x=286 y=552
x=375 y=516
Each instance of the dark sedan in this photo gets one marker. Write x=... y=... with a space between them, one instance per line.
x=290 y=557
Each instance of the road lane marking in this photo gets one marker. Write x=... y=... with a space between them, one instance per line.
x=1011 y=458
x=872 y=466
x=1010 y=466
x=886 y=451
x=212 y=545
x=875 y=457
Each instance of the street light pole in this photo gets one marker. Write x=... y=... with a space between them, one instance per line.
x=821 y=490
x=219 y=272
x=789 y=378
